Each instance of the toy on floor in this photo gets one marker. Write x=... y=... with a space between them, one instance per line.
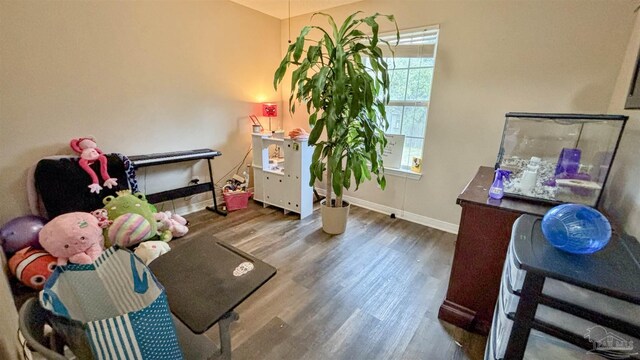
x=127 y=203
x=32 y=267
x=129 y=229
x=73 y=237
x=103 y=218
x=21 y=232
x=171 y=225
x=151 y=250
x=90 y=153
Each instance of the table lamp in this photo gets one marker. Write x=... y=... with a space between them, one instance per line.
x=269 y=110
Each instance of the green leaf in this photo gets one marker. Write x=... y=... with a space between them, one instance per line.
x=357 y=172
x=291 y=102
x=332 y=22
x=317 y=169
x=357 y=48
x=316 y=131
x=312 y=53
x=299 y=45
x=346 y=182
x=355 y=33
x=382 y=181
x=328 y=44
x=319 y=86
x=348 y=23
x=330 y=122
x=317 y=152
x=365 y=171
x=295 y=76
x=337 y=179
x=279 y=75
x=371 y=21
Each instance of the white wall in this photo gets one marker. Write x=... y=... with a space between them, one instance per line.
x=622 y=193
x=493 y=57
x=9 y=346
x=142 y=77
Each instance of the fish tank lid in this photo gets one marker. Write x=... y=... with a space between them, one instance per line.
x=567 y=116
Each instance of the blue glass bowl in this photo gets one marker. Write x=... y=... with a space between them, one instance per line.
x=575 y=228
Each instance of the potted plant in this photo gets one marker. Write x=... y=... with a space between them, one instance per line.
x=343 y=80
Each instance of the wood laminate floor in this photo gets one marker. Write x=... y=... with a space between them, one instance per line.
x=370 y=293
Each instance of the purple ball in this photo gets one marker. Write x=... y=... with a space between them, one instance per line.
x=21 y=232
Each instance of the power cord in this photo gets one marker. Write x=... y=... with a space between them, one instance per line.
x=237 y=168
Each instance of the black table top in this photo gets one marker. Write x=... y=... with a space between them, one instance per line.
x=614 y=270
x=200 y=282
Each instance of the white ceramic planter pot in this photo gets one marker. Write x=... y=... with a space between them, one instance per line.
x=334 y=220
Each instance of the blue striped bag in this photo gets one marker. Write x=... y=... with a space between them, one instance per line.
x=120 y=305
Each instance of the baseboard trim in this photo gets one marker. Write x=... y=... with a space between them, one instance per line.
x=457 y=315
x=401 y=214
x=193 y=207
x=463 y=317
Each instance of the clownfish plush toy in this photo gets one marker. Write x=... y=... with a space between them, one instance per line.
x=32 y=267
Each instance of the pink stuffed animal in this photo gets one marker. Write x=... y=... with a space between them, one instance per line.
x=103 y=218
x=89 y=153
x=75 y=237
x=174 y=223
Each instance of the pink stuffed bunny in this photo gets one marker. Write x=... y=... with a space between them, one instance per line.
x=174 y=223
x=75 y=237
x=89 y=154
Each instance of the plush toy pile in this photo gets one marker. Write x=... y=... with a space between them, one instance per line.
x=36 y=246
x=135 y=220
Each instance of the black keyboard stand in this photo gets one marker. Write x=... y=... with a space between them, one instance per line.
x=139 y=161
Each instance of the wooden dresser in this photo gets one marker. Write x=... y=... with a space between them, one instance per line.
x=481 y=248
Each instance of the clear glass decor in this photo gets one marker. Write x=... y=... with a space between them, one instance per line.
x=559 y=158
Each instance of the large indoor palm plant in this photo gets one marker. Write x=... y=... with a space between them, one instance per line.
x=343 y=80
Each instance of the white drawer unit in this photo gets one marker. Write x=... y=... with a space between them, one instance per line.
x=555 y=305
x=281 y=173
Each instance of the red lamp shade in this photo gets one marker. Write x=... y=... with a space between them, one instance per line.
x=270 y=110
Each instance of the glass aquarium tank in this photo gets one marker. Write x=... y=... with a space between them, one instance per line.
x=559 y=158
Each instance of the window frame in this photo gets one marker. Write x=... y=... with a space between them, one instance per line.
x=404 y=170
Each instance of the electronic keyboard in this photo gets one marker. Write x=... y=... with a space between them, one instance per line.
x=172 y=157
x=139 y=161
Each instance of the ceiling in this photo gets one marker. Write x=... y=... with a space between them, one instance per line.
x=280 y=8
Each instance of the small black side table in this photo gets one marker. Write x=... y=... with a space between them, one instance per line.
x=613 y=271
x=205 y=280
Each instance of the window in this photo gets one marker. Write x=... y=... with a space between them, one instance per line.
x=410 y=88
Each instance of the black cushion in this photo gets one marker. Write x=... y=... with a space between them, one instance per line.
x=63 y=185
